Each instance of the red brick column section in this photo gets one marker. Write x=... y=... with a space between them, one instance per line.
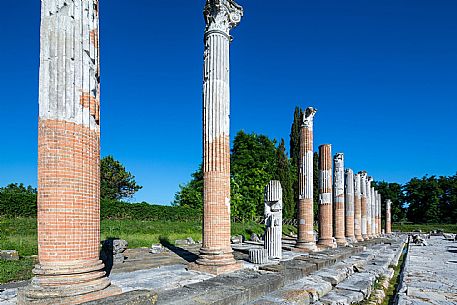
x=357 y=208
x=69 y=269
x=338 y=199
x=388 y=216
x=216 y=255
x=305 y=238
x=349 y=205
x=363 y=194
x=325 y=197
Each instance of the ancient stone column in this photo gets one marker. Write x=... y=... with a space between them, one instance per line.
x=216 y=253
x=378 y=211
x=369 y=207
x=357 y=208
x=338 y=199
x=325 y=197
x=388 y=216
x=69 y=270
x=374 y=207
x=305 y=238
x=349 y=205
x=273 y=219
x=363 y=203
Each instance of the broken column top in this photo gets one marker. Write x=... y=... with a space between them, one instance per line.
x=308 y=117
x=273 y=191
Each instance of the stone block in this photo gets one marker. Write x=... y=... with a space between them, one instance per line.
x=258 y=256
x=359 y=282
x=9 y=255
x=156 y=248
x=135 y=297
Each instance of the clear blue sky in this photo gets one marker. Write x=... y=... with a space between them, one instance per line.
x=383 y=74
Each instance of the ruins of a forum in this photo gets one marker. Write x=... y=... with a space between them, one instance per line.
x=347 y=257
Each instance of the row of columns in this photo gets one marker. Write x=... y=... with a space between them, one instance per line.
x=349 y=205
x=69 y=271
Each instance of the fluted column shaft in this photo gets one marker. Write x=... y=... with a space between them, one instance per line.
x=305 y=213
x=363 y=193
x=338 y=199
x=369 y=207
x=357 y=207
x=221 y=17
x=379 y=213
x=376 y=216
x=373 y=209
x=388 y=216
x=349 y=205
x=273 y=219
x=325 y=196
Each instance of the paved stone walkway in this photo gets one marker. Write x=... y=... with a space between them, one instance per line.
x=430 y=274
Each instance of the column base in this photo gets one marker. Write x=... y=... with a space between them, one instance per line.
x=351 y=239
x=341 y=242
x=359 y=238
x=26 y=296
x=215 y=261
x=326 y=243
x=67 y=283
x=365 y=237
x=305 y=247
x=215 y=269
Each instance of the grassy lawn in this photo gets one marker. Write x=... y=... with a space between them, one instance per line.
x=425 y=228
x=20 y=234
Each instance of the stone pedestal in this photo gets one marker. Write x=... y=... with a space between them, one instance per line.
x=349 y=205
x=305 y=240
x=357 y=208
x=69 y=269
x=216 y=253
x=325 y=198
x=363 y=203
x=273 y=219
x=338 y=200
x=388 y=228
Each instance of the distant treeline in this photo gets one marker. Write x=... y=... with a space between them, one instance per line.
x=16 y=200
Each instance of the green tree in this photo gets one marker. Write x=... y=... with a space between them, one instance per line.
x=115 y=182
x=295 y=150
x=392 y=191
x=423 y=199
x=253 y=164
x=191 y=194
x=17 y=200
x=284 y=175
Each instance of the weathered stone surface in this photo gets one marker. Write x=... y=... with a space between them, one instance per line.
x=184 y=242
x=430 y=273
x=156 y=249
x=9 y=255
x=359 y=282
x=136 y=297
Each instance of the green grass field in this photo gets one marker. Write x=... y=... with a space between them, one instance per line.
x=20 y=234
x=425 y=228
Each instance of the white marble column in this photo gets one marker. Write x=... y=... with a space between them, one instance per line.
x=349 y=205
x=363 y=194
x=273 y=219
x=357 y=208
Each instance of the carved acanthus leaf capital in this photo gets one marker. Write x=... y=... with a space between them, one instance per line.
x=222 y=15
x=308 y=117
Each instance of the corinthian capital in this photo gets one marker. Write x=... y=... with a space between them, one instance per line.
x=222 y=15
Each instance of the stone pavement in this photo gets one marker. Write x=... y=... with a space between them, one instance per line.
x=430 y=274
x=338 y=274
